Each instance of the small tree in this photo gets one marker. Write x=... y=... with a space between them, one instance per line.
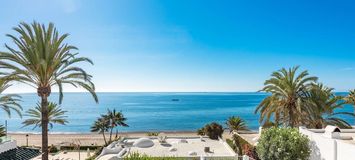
x=283 y=144
x=107 y=122
x=101 y=125
x=236 y=124
x=55 y=116
x=212 y=130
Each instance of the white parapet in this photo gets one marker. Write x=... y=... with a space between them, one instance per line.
x=8 y=145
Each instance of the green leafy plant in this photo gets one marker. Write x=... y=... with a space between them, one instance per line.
x=9 y=102
x=2 y=131
x=201 y=132
x=283 y=144
x=40 y=57
x=55 y=116
x=107 y=122
x=236 y=124
x=212 y=130
x=287 y=102
x=152 y=133
x=53 y=149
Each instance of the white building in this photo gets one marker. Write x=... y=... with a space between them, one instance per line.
x=331 y=143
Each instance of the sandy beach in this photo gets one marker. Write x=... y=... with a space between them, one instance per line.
x=86 y=139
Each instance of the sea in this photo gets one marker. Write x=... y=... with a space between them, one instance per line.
x=152 y=112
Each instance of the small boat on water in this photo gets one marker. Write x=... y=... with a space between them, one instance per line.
x=175 y=99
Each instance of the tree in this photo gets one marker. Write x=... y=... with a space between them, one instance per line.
x=350 y=98
x=323 y=106
x=283 y=143
x=55 y=116
x=115 y=119
x=2 y=131
x=42 y=60
x=107 y=122
x=101 y=125
x=288 y=100
x=212 y=130
x=236 y=124
x=9 y=102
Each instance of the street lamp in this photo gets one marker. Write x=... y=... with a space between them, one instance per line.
x=27 y=140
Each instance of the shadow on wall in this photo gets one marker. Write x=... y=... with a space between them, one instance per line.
x=315 y=155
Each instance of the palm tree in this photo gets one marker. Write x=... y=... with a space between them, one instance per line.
x=350 y=98
x=236 y=124
x=2 y=131
x=42 y=60
x=101 y=125
x=55 y=116
x=9 y=102
x=322 y=108
x=115 y=119
x=287 y=102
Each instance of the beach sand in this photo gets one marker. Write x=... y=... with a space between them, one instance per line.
x=86 y=139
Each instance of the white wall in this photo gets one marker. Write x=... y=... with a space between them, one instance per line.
x=346 y=151
x=324 y=148
x=7 y=146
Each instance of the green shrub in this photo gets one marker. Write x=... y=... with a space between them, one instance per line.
x=53 y=149
x=212 y=130
x=152 y=133
x=201 y=132
x=283 y=144
x=239 y=145
x=2 y=131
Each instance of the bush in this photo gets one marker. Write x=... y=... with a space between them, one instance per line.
x=250 y=151
x=2 y=131
x=213 y=130
x=152 y=133
x=201 y=132
x=283 y=144
x=53 y=149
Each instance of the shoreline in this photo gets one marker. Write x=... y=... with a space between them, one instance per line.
x=122 y=132
x=88 y=139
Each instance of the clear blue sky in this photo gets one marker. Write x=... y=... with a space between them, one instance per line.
x=191 y=45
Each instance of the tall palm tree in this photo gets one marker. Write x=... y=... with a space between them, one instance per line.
x=236 y=124
x=323 y=106
x=115 y=119
x=42 y=60
x=9 y=102
x=287 y=102
x=101 y=125
x=55 y=116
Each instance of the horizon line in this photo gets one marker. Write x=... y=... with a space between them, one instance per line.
x=149 y=92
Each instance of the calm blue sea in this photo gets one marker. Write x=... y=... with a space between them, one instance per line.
x=150 y=111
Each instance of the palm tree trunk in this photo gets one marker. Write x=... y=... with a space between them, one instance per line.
x=111 y=134
x=103 y=134
x=44 y=103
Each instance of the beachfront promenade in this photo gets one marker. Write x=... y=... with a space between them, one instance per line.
x=89 y=138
